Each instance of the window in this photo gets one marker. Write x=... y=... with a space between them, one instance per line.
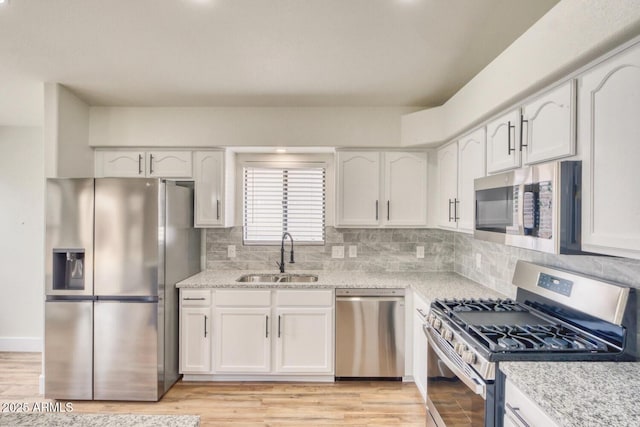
x=284 y=199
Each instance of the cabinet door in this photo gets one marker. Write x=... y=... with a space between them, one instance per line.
x=120 y=164
x=548 y=125
x=242 y=340
x=405 y=177
x=358 y=188
x=503 y=150
x=609 y=97
x=447 y=185
x=471 y=165
x=169 y=164
x=304 y=340
x=195 y=340
x=420 y=346
x=209 y=183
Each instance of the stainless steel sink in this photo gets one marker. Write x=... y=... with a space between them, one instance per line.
x=299 y=278
x=270 y=278
x=277 y=278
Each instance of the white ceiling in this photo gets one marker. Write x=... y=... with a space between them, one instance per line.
x=251 y=52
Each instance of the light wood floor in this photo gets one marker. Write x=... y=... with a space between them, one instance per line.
x=244 y=404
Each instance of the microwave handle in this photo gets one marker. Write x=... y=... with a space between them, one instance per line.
x=476 y=385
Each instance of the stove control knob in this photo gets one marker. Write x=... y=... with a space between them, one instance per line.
x=469 y=357
x=460 y=348
x=430 y=319
x=437 y=324
x=447 y=334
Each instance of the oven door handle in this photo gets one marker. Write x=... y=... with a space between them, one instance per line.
x=475 y=384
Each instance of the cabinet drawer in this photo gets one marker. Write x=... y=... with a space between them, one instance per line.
x=304 y=298
x=195 y=297
x=519 y=409
x=243 y=298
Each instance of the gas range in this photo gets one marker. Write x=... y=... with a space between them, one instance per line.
x=556 y=316
x=543 y=323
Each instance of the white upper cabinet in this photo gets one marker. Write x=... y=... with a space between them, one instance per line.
x=405 y=189
x=471 y=165
x=459 y=164
x=503 y=152
x=548 y=125
x=214 y=177
x=447 y=185
x=361 y=199
x=129 y=164
x=358 y=188
x=608 y=131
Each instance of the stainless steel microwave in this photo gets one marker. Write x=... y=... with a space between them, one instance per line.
x=537 y=207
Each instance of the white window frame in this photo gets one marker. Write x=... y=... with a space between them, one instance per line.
x=283 y=165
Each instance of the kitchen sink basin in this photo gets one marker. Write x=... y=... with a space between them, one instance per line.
x=277 y=278
x=299 y=278
x=270 y=278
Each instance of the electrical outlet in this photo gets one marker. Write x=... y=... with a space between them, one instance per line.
x=478 y=260
x=337 y=252
x=419 y=251
x=231 y=251
x=353 y=251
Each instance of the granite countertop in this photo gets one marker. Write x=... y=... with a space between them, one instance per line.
x=429 y=285
x=578 y=394
x=34 y=419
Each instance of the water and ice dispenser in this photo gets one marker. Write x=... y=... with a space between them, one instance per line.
x=68 y=269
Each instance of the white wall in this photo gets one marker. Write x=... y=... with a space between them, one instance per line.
x=22 y=238
x=570 y=35
x=205 y=127
x=66 y=134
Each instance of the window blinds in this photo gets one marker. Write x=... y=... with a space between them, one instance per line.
x=284 y=199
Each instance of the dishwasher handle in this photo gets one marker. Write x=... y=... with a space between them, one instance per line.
x=369 y=298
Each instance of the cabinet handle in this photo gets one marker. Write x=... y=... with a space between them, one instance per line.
x=150 y=164
x=450 y=210
x=279 y=326
x=522 y=122
x=194 y=299
x=514 y=411
x=376 y=210
x=217 y=209
x=266 y=328
x=139 y=164
x=205 y=326
x=455 y=209
x=509 y=149
x=388 y=210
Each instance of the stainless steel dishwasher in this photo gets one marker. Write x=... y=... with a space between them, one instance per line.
x=369 y=333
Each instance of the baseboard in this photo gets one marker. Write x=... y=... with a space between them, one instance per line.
x=19 y=344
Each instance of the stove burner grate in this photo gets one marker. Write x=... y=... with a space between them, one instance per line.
x=460 y=305
x=534 y=338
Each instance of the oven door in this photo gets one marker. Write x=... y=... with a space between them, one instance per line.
x=456 y=394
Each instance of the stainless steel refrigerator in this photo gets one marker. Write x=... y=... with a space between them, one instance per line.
x=115 y=247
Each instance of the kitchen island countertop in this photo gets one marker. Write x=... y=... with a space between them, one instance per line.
x=35 y=419
x=430 y=285
x=577 y=394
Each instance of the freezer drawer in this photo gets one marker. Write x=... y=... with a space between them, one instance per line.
x=68 y=346
x=126 y=365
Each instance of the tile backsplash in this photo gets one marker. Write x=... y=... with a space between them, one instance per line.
x=498 y=262
x=394 y=250
x=384 y=250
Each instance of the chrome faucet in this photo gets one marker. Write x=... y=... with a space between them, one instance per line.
x=291 y=261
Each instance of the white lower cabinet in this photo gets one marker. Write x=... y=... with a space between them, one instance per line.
x=242 y=344
x=257 y=333
x=304 y=340
x=195 y=331
x=521 y=411
x=421 y=310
